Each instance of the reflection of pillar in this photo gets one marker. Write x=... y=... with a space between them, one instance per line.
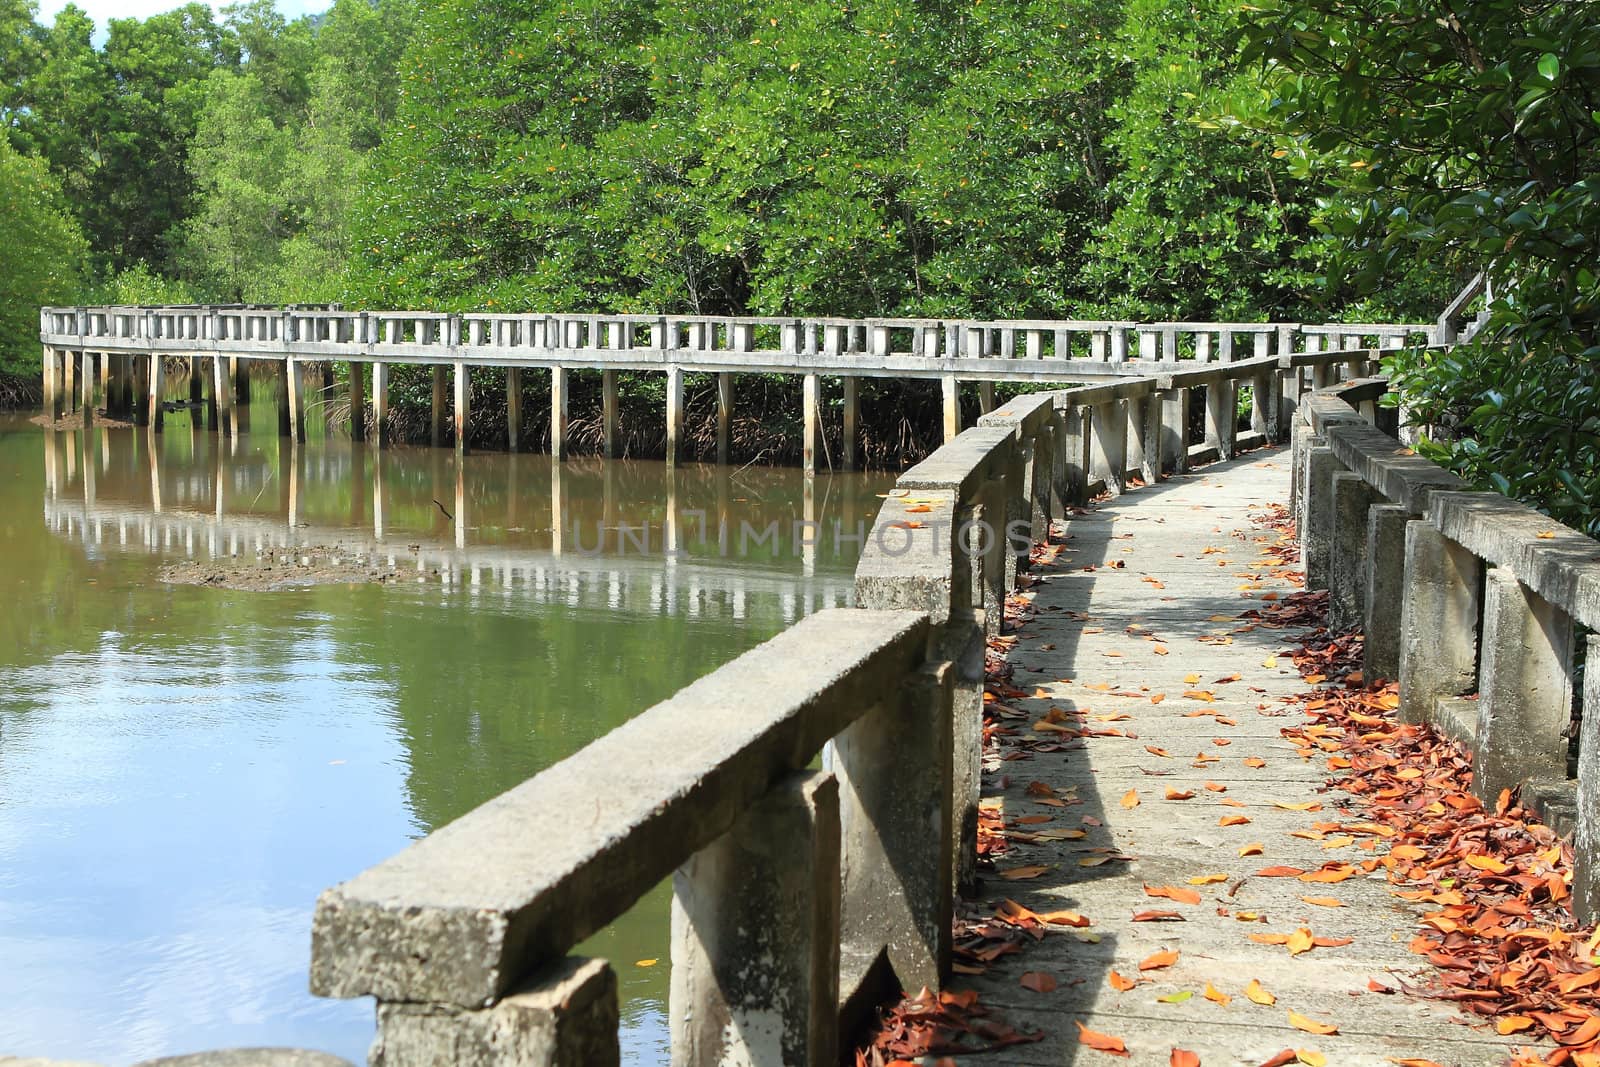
x=52 y=469
x=89 y=465
x=808 y=543
x=358 y=401
x=558 y=510
x=436 y=410
x=810 y=423
x=87 y=378
x=513 y=408
x=153 y=453
x=461 y=504
x=286 y=459
x=158 y=386
x=674 y=414
x=358 y=486
x=608 y=495
x=670 y=534
x=851 y=410
x=221 y=464
x=377 y=495
x=724 y=519
x=294 y=489
x=608 y=412
x=295 y=388
x=463 y=377
x=380 y=403
x=724 y=416
x=558 y=413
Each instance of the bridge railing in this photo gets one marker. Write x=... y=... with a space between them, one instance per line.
x=310 y=331
x=1492 y=596
x=800 y=896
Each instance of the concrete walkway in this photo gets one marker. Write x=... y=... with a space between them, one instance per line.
x=1141 y=608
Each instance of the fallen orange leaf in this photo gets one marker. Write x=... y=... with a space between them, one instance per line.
x=1100 y=1042
x=1121 y=984
x=1130 y=799
x=1311 y=1026
x=1182 y=1057
x=1159 y=960
x=1217 y=996
x=1038 y=981
x=1257 y=995
x=1173 y=892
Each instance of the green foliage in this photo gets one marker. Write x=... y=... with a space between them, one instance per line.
x=41 y=258
x=1463 y=142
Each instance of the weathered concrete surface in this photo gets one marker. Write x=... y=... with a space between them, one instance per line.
x=462 y=915
x=1101 y=628
x=246 y=1057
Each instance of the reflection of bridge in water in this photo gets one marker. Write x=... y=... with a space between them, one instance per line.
x=605 y=535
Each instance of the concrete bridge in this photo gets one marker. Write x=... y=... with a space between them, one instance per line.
x=121 y=353
x=803 y=897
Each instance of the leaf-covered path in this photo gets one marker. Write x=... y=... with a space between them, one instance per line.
x=1236 y=908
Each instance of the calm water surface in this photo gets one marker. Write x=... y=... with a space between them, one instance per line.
x=183 y=769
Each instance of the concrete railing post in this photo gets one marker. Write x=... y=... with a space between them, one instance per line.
x=1586 y=833
x=1221 y=417
x=895 y=830
x=1072 y=470
x=566 y=1016
x=1438 y=621
x=1348 y=550
x=755 y=935
x=1316 y=511
x=1174 y=412
x=1385 y=572
x=1108 y=444
x=1524 y=688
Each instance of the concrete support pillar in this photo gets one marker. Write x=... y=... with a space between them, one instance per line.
x=724 y=417
x=1524 y=688
x=558 y=413
x=1586 y=834
x=1316 y=523
x=52 y=395
x=951 y=390
x=811 y=423
x=240 y=369
x=985 y=397
x=436 y=409
x=463 y=388
x=1438 y=621
x=158 y=387
x=1221 y=412
x=1385 y=572
x=295 y=389
x=196 y=380
x=86 y=380
x=1073 y=467
x=380 y=404
x=755 y=935
x=513 y=409
x=565 y=1016
x=1144 y=418
x=103 y=366
x=285 y=421
x=357 y=402
x=1174 y=404
x=674 y=414
x=608 y=413
x=69 y=381
x=1347 y=556
x=852 y=414
x=1263 y=405
x=895 y=830
x=222 y=394
x=1108 y=445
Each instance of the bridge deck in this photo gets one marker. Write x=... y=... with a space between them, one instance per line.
x=1196 y=536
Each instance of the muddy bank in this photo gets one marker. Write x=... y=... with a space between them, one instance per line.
x=279 y=569
x=75 y=422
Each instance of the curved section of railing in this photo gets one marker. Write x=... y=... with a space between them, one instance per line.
x=1491 y=595
x=800 y=895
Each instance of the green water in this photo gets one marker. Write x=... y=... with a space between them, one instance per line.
x=184 y=768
